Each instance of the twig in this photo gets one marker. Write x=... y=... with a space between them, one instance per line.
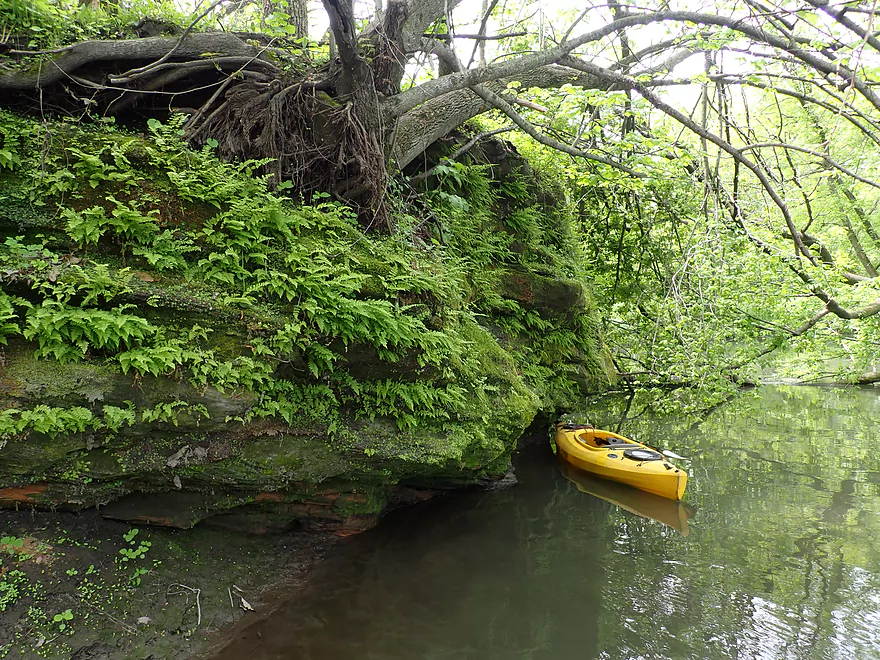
x=530 y=104
x=132 y=74
x=482 y=29
x=499 y=103
x=192 y=121
x=125 y=626
x=478 y=37
x=52 y=51
x=811 y=152
x=197 y=592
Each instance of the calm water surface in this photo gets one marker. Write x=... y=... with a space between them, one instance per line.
x=781 y=557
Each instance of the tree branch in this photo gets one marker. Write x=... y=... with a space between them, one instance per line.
x=421 y=127
x=498 y=102
x=88 y=52
x=516 y=66
x=626 y=81
x=812 y=152
x=133 y=74
x=478 y=37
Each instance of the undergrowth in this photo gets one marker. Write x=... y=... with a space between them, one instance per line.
x=108 y=224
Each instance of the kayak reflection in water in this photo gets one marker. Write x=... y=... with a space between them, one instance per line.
x=672 y=513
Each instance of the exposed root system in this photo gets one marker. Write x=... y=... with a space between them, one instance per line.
x=314 y=141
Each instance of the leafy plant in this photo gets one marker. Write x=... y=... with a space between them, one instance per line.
x=115 y=418
x=67 y=333
x=63 y=619
x=12 y=584
x=8 y=324
x=167 y=251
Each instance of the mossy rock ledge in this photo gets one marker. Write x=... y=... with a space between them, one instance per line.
x=262 y=475
x=179 y=344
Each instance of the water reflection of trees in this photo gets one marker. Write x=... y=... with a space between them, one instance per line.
x=782 y=560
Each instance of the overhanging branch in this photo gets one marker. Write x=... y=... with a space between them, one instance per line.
x=496 y=101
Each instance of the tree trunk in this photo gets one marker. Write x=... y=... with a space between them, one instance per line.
x=365 y=176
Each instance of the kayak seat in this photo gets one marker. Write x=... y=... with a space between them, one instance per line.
x=613 y=443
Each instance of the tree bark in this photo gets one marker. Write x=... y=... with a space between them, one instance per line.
x=416 y=130
x=200 y=46
x=364 y=130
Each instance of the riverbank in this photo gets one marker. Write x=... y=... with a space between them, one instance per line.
x=79 y=586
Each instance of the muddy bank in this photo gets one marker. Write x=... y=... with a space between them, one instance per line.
x=82 y=587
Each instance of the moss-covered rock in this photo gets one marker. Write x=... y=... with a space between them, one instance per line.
x=183 y=345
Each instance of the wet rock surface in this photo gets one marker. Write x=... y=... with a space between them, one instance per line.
x=80 y=586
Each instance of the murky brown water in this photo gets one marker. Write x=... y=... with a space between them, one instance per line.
x=781 y=557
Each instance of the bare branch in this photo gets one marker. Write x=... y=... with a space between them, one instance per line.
x=849 y=24
x=133 y=74
x=498 y=102
x=812 y=152
x=626 y=81
x=515 y=66
x=482 y=30
x=478 y=37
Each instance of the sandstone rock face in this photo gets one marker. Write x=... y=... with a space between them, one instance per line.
x=180 y=345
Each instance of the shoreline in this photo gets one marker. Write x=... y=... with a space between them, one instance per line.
x=74 y=585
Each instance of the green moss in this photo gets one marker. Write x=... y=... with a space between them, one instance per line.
x=290 y=348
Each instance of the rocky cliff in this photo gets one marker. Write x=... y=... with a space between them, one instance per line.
x=182 y=343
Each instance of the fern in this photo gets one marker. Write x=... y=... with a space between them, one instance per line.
x=67 y=333
x=87 y=226
x=8 y=326
x=115 y=417
x=167 y=251
x=57 y=421
x=292 y=403
x=154 y=360
x=163 y=412
x=407 y=403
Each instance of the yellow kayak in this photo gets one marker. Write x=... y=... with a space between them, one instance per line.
x=672 y=513
x=614 y=457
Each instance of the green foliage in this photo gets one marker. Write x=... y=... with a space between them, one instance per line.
x=168 y=412
x=8 y=324
x=47 y=420
x=54 y=421
x=67 y=333
x=12 y=134
x=124 y=221
x=409 y=404
x=11 y=587
x=62 y=619
x=137 y=549
x=293 y=402
x=168 y=251
x=108 y=164
x=34 y=17
x=314 y=294
x=115 y=418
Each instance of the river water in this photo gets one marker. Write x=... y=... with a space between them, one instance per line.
x=776 y=554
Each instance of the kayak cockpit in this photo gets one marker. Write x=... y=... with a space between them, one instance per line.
x=595 y=441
